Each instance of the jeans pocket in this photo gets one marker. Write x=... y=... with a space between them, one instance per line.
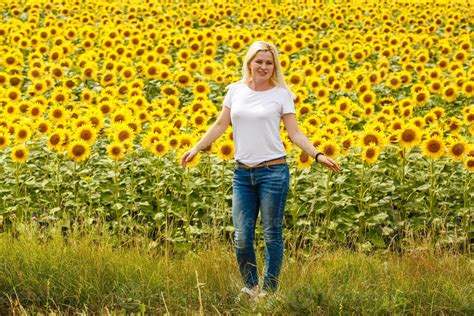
x=277 y=168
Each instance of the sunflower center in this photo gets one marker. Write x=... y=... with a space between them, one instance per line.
x=421 y=97
x=116 y=151
x=434 y=146
x=304 y=157
x=458 y=149
x=86 y=135
x=78 y=150
x=470 y=163
x=123 y=135
x=19 y=154
x=160 y=148
x=370 y=139
x=329 y=150
x=408 y=135
x=58 y=113
x=226 y=150
x=370 y=153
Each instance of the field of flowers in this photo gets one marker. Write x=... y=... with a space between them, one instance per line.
x=99 y=99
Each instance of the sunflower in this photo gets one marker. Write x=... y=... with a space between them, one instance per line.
x=55 y=140
x=13 y=94
x=368 y=110
x=201 y=88
x=35 y=110
x=303 y=161
x=433 y=147
x=421 y=96
x=198 y=120
x=159 y=148
x=454 y=124
x=19 y=153
x=370 y=153
x=329 y=149
x=469 y=164
x=22 y=133
x=116 y=151
x=43 y=126
x=371 y=136
x=468 y=88
x=393 y=81
x=185 y=141
x=409 y=136
x=173 y=141
x=57 y=113
x=367 y=98
x=149 y=139
x=321 y=93
x=86 y=133
x=108 y=78
x=457 y=149
x=450 y=93
x=225 y=150
x=123 y=133
x=78 y=150
x=4 y=139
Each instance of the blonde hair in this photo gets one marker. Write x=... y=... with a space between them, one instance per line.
x=277 y=77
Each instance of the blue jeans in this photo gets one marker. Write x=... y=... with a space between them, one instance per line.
x=263 y=189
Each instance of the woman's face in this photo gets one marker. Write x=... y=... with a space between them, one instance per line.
x=262 y=66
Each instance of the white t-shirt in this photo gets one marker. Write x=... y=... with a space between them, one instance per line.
x=256 y=117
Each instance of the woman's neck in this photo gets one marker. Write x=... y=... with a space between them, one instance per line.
x=260 y=86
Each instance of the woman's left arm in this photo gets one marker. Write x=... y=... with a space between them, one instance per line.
x=300 y=140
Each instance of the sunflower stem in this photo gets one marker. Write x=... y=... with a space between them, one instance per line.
x=402 y=183
x=328 y=192
x=294 y=205
x=132 y=184
x=75 y=182
x=58 y=181
x=432 y=185
x=116 y=192
x=224 y=163
x=188 y=207
x=466 y=200
x=17 y=187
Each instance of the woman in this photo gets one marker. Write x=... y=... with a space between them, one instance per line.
x=255 y=106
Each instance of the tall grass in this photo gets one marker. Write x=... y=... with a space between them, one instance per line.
x=43 y=271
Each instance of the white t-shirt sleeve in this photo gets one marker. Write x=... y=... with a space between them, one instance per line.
x=288 y=106
x=228 y=97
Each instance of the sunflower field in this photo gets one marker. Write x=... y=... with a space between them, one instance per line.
x=98 y=99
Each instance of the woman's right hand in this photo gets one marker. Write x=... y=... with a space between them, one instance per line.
x=188 y=156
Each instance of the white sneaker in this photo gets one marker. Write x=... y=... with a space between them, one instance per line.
x=247 y=294
x=251 y=292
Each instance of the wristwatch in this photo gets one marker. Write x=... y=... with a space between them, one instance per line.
x=317 y=155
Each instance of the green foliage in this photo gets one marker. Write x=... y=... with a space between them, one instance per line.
x=91 y=271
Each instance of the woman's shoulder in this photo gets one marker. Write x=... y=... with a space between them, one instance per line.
x=235 y=85
x=284 y=91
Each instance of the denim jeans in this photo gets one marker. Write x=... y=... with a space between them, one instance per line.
x=263 y=189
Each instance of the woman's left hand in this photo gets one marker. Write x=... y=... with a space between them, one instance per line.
x=329 y=163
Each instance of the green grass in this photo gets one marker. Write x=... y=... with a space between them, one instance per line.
x=92 y=273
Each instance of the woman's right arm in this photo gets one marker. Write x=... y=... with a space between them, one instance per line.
x=213 y=133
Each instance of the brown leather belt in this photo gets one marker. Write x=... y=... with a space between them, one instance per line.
x=278 y=161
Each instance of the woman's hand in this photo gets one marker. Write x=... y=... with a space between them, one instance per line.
x=329 y=163
x=188 y=156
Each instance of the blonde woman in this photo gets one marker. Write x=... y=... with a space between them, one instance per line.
x=256 y=105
